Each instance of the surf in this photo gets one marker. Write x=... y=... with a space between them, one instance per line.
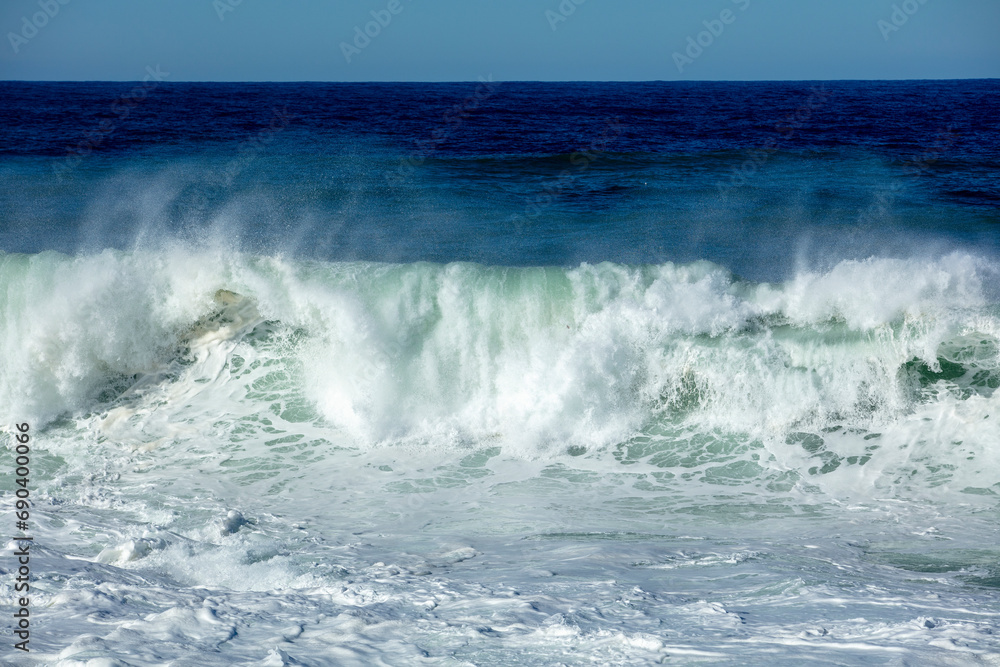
x=831 y=374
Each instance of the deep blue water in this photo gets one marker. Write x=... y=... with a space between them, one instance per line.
x=759 y=177
x=247 y=450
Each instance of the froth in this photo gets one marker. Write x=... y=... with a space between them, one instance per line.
x=538 y=358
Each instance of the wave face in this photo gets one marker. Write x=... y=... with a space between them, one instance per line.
x=541 y=361
x=227 y=422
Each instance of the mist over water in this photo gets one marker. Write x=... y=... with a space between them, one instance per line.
x=623 y=383
x=761 y=178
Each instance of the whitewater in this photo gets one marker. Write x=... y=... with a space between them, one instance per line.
x=245 y=458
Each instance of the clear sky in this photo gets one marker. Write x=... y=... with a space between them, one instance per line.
x=462 y=40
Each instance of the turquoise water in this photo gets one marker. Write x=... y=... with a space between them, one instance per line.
x=246 y=455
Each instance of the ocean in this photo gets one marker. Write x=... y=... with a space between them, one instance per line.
x=500 y=373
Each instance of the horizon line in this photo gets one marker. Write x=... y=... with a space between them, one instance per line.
x=380 y=81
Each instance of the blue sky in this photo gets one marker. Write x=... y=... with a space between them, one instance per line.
x=462 y=40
